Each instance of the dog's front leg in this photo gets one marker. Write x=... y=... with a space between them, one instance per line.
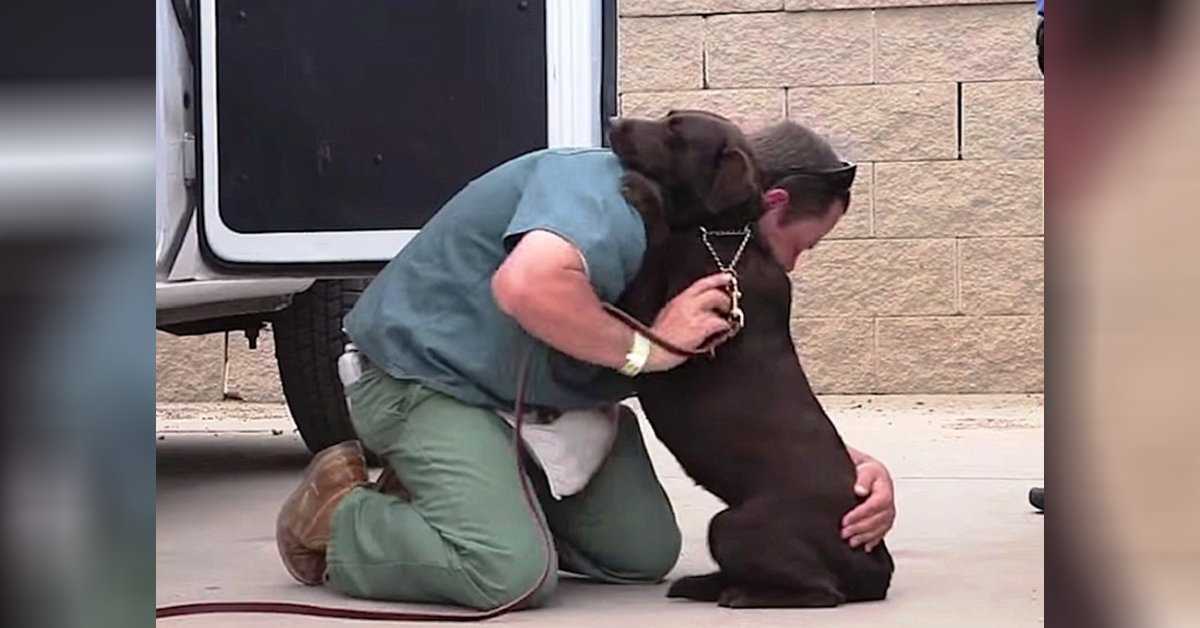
x=646 y=196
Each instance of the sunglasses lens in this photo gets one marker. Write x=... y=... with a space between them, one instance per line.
x=841 y=178
x=847 y=178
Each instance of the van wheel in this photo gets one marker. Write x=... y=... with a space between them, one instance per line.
x=308 y=340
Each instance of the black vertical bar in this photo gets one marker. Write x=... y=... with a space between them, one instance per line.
x=608 y=74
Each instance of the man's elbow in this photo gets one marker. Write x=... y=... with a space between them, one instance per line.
x=510 y=289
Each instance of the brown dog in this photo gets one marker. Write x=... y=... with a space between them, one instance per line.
x=745 y=425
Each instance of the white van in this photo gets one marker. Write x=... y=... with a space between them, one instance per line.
x=301 y=144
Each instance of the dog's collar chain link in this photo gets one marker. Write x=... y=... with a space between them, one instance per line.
x=745 y=232
x=736 y=316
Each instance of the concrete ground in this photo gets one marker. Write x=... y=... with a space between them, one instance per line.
x=969 y=550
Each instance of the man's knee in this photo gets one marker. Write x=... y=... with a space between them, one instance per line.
x=651 y=558
x=660 y=557
x=654 y=549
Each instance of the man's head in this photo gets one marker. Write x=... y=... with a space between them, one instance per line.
x=806 y=188
x=702 y=162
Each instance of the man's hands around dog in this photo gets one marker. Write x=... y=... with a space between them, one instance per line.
x=866 y=525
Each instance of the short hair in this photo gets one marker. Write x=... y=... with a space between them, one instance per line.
x=784 y=148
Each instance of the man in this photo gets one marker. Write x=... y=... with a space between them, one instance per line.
x=521 y=257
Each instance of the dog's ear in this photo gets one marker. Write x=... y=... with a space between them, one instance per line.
x=735 y=182
x=646 y=197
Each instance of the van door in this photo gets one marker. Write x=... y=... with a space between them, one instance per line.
x=330 y=131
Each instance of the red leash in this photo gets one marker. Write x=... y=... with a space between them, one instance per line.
x=637 y=325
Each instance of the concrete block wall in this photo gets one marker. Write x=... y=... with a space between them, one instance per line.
x=933 y=282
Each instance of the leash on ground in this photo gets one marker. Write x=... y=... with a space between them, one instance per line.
x=313 y=610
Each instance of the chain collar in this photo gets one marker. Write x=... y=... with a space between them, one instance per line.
x=737 y=317
x=745 y=232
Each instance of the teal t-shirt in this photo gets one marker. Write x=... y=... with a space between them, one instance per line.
x=430 y=315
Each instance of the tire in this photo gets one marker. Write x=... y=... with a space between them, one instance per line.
x=308 y=341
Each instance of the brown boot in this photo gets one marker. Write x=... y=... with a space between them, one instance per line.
x=305 y=521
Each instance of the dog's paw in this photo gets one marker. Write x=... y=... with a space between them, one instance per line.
x=700 y=588
x=642 y=192
x=733 y=597
x=737 y=596
x=646 y=196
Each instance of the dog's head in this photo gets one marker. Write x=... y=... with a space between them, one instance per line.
x=702 y=162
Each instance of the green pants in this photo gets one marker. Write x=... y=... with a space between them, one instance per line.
x=466 y=536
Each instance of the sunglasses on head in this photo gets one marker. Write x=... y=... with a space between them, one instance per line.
x=837 y=178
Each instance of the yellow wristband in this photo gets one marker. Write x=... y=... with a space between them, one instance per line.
x=638 y=354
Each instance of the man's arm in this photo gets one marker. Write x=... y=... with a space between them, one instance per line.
x=543 y=285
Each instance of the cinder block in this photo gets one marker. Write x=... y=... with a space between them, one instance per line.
x=882 y=122
x=1002 y=275
x=188 y=368
x=660 y=53
x=875 y=277
x=838 y=354
x=1004 y=120
x=789 y=49
x=749 y=108
x=958 y=198
x=823 y=5
x=961 y=354
x=956 y=43
x=691 y=7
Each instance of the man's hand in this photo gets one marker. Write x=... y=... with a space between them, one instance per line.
x=866 y=525
x=689 y=319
